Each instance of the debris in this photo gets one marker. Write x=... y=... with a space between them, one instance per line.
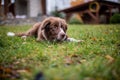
x=68 y=60
x=8 y=73
x=110 y=59
x=74 y=40
x=73 y=59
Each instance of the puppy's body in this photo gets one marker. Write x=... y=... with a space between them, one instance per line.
x=51 y=29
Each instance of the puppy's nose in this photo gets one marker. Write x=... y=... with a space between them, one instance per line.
x=62 y=35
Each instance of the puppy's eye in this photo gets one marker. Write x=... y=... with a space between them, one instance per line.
x=56 y=27
x=64 y=28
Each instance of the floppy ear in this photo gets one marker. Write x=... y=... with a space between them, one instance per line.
x=45 y=25
x=65 y=25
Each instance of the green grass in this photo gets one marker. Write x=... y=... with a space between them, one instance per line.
x=68 y=60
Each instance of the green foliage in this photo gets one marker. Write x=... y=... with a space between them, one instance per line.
x=57 y=14
x=75 y=21
x=97 y=58
x=115 y=19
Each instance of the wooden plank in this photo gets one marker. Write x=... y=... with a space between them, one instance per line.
x=97 y=17
x=6 y=7
x=12 y=9
x=0 y=6
x=43 y=3
x=91 y=14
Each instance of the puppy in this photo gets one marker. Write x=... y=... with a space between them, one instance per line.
x=50 y=29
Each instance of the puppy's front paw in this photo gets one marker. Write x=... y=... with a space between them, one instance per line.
x=24 y=37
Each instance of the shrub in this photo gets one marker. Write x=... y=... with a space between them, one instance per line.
x=75 y=21
x=57 y=14
x=115 y=19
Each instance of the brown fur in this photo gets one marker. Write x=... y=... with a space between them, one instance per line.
x=47 y=29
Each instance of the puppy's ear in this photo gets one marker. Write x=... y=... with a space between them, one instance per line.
x=45 y=25
x=65 y=26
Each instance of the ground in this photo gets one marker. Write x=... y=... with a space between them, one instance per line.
x=97 y=58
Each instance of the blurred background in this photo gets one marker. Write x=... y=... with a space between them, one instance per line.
x=74 y=11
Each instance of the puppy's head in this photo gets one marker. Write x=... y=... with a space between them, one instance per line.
x=54 y=29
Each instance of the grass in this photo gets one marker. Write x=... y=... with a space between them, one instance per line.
x=97 y=58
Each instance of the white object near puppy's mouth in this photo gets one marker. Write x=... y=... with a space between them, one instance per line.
x=74 y=40
x=61 y=35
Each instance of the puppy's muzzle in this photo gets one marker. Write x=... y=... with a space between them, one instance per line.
x=61 y=37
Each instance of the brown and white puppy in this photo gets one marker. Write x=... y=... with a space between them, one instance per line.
x=51 y=29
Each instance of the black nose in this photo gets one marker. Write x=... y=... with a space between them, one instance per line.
x=62 y=35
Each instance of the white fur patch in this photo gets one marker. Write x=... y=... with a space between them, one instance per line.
x=59 y=34
x=10 y=34
x=24 y=37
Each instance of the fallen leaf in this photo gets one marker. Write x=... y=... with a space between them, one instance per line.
x=82 y=60
x=8 y=73
x=68 y=60
x=76 y=59
x=72 y=59
x=24 y=71
x=110 y=59
x=94 y=39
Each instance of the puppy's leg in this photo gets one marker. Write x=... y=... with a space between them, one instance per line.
x=40 y=36
x=31 y=32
